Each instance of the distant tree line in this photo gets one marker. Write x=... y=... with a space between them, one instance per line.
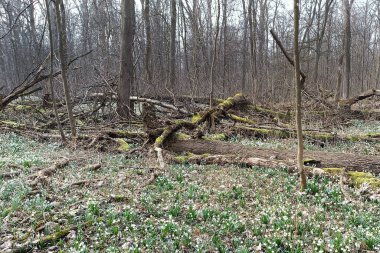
x=198 y=47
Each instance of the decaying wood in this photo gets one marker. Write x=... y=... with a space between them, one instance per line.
x=213 y=113
x=8 y=175
x=94 y=167
x=151 y=179
x=44 y=241
x=327 y=159
x=85 y=182
x=21 y=89
x=283 y=133
x=367 y=94
x=44 y=173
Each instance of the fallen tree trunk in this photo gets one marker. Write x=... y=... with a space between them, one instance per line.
x=367 y=94
x=326 y=159
x=283 y=133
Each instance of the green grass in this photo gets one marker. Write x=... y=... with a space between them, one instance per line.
x=190 y=208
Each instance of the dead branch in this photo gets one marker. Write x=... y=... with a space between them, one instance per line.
x=94 y=167
x=367 y=94
x=38 y=77
x=44 y=173
x=45 y=241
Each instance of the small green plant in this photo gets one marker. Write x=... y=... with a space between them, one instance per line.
x=93 y=208
x=175 y=210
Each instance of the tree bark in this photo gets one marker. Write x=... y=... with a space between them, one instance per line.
x=212 y=78
x=126 y=57
x=61 y=24
x=173 y=20
x=148 y=46
x=51 y=72
x=347 y=4
x=326 y=159
x=298 y=79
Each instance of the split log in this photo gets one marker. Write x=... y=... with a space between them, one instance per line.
x=327 y=159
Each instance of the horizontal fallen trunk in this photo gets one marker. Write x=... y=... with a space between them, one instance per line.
x=325 y=159
x=282 y=133
x=367 y=94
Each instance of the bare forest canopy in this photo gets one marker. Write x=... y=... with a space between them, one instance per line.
x=227 y=41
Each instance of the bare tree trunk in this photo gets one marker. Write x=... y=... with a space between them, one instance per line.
x=298 y=83
x=225 y=34
x=319 y=41
x=212 y=78
x=61 y=24
x=347 y=48
x=173 y=20
x=126 y=57
x=252 y=42
x=244 y=54
x=51 y=72
x=148 y=47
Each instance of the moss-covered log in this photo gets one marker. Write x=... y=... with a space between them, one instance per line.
x=352 y=162
x=200 y=118
x=44 y=241
x=282 y=133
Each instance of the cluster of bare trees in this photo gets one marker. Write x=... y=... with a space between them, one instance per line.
x=197 y=47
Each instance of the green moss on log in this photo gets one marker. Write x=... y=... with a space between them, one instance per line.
x=9 y=123
x=182 y=136
x=23 y=107
x=196 y=117
x=123 y=145
x=241 y=119
x=264 y=133
x=359 y=178
x=215 y=137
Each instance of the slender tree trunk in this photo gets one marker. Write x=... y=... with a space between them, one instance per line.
x=51 y=72
x=347 y=48
x=212 y=78
x=173 y=28
x=126 y=57
x=148 y=47
x=298 y=84
x=61 y=24
x=244 y=53
x=252 y=42
x=225 y=37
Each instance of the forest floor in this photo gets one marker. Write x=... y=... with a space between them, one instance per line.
x=191 y=208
